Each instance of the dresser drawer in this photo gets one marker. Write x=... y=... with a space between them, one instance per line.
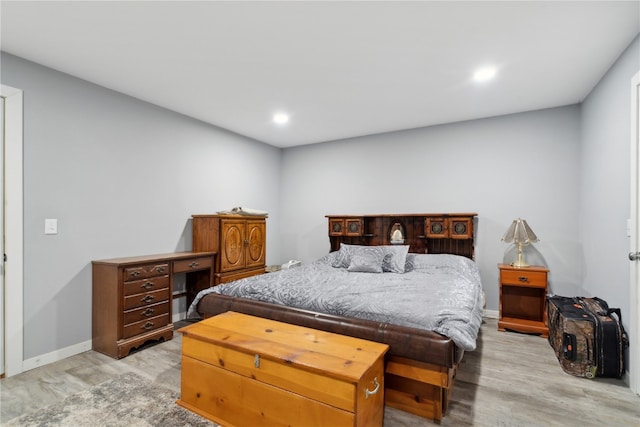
x=146 y=325
x=147 y=312
x=145 y=285
x=145 y=299
x=144 y=271
x=187 y=265
x=536 y=279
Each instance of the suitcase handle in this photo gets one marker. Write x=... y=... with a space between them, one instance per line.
x=569 y=346
x=615 y=311
x=625 y=338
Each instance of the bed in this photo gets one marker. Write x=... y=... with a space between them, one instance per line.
x=425 y=304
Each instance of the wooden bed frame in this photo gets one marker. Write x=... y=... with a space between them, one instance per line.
x=421 y=366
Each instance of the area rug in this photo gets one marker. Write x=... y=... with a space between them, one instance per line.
x=128 y=400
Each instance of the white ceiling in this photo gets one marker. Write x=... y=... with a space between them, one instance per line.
x=341 y=69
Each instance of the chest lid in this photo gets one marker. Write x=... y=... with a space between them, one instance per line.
x=334 y=355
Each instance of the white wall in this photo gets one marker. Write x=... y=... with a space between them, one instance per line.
x=123 y=178
x=522 y=165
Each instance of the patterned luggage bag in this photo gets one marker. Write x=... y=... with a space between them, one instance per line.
x=587 y=336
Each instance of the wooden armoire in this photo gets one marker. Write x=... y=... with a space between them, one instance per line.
x=239 y=240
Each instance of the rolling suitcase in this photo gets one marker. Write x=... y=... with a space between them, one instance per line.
x=587 y=336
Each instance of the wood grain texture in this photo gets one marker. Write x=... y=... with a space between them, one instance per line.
x=279 y=374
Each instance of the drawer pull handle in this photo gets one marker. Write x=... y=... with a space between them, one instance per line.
x=256 y=361
x=147 y=285
x=148 y=298
x=193 y=264
x=147 y=326
x=523 y=279
x=148 y=312
x=134 y=273
x=160 y=269
x=368 y=393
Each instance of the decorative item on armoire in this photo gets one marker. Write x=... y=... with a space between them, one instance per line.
x=239 y=210
x=521 y=235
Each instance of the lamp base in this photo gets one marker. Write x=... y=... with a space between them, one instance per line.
x=519 y=263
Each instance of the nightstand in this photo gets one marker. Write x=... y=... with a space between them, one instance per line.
x=523 y=294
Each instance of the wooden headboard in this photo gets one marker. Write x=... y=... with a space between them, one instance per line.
x=449 y=233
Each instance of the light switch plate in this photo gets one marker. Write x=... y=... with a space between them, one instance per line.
x=50 y=226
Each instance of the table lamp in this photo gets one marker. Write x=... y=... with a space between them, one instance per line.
x=521 y=234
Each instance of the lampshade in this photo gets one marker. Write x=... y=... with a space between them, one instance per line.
x=521 y=234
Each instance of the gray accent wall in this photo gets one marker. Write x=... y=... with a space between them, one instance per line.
x=606 y=183
x=522 y=165
x=123 y=178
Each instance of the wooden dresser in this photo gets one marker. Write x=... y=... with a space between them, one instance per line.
x=132 y=297
x=275 y=373
x=239 y=240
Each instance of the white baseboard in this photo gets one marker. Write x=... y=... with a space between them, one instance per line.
x=54 y=356
x=63 y=353
x=491 y=314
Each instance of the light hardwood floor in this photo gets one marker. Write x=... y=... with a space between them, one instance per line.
x=510 y=380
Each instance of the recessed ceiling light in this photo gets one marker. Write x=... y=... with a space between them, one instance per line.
x=280 y=118
x=485 y=73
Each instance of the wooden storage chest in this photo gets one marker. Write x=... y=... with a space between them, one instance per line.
x=241 y=370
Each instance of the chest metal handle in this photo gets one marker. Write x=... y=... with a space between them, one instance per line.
x=368 y=392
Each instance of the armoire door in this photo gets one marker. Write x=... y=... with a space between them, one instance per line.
x=256 y=239
x=233 y=245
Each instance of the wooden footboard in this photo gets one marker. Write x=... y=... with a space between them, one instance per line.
x=417 y=387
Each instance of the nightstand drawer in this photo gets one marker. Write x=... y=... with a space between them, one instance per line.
x=535 y=279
